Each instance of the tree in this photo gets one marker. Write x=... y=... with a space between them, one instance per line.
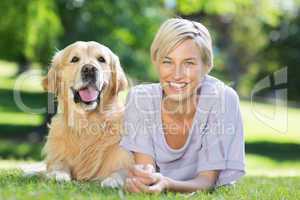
x=127 y=27
x=30 y=31
x=238 y=32
x=284 y=48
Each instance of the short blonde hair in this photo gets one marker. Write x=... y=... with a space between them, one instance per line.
x=176 y=30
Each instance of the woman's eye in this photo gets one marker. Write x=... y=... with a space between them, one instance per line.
x=189 y=63
x=101 y=59
x=75 y=59
x=166 y=62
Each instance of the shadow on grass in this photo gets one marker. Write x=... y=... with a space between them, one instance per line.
x=20 y=150
x=30 y=99
x=275 y=151
x=16 y=132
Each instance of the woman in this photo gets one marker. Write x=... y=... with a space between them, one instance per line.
x=186 y=132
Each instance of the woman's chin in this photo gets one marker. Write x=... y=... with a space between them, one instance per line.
x=177 y=96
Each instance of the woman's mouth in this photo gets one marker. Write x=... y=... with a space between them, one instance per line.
x=177 y=86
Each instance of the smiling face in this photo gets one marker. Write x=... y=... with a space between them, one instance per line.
x=181 y=71
x=90 y=74
x=83 y=73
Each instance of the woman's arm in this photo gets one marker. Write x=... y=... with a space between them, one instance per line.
x=142 y=178
x=144 y=166
x=204 y=181
x=143 y=159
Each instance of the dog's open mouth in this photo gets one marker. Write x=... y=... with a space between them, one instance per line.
x=87 y=95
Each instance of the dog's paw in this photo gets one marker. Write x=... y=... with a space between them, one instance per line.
x=33 y=169
x=59 y=176
x=113 y=181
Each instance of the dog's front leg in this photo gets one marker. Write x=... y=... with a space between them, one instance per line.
x=115 y=180
x=58 y=171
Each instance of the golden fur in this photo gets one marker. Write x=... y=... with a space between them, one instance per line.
x=84 y=143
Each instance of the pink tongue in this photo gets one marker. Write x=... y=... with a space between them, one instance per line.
x=88 y=94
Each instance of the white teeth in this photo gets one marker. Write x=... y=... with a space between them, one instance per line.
x=177 y=85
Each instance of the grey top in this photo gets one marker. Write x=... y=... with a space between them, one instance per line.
x=215 y=140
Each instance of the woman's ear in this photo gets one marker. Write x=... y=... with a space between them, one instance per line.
x=118 y=75
x=50 y=82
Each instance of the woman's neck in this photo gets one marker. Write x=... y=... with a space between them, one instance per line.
x=182 y=109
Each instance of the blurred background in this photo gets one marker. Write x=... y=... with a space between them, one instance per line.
x=256 y=49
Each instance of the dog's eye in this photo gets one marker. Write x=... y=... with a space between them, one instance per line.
x=101 y=59
x=74 y=59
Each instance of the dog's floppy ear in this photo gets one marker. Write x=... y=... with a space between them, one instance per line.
x=118 y=75
x=50 y=82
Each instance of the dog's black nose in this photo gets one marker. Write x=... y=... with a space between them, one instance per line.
x=89 y=73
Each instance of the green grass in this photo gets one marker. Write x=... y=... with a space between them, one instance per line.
x=14 y=186
x=281 y=130
x=10 y=149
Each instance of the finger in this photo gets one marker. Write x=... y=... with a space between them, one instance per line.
x=137 y=171
x=156 y=177
x=140 y=185
x=149 y=168
x=127 y=185
x=139 y=168
x=145 y=181
x=130 y=173
x=156 y=188
x=131 y=187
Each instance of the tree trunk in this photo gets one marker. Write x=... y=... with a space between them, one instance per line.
x=23 y=65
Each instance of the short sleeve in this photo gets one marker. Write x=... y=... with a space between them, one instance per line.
x=136 y=137
x=223 y=146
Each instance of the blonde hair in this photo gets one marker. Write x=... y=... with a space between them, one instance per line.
x=174 y=31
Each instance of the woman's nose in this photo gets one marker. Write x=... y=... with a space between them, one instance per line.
x=178 y=74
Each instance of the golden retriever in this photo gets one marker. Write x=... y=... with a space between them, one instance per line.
x=83 y=141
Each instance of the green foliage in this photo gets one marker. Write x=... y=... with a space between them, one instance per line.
x=127 y=27
x=187 y=7
x=42 y=30
x=29 y=30
x=245 y=50
x=267 y=11
x=243 y=33
x=284 y=51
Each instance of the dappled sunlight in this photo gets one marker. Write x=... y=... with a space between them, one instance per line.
x=257 y=165
x=14 y=164
x=20 y=119
x=257 y=130
x=7 y=69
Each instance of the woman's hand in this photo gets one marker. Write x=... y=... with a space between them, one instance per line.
x=142 y=178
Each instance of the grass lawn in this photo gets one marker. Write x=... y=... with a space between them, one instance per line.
x=14 y=186
x=272 y=152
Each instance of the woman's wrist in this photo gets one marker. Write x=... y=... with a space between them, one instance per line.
x=167 y=183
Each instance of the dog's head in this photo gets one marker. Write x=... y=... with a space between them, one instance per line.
x=85 y=73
